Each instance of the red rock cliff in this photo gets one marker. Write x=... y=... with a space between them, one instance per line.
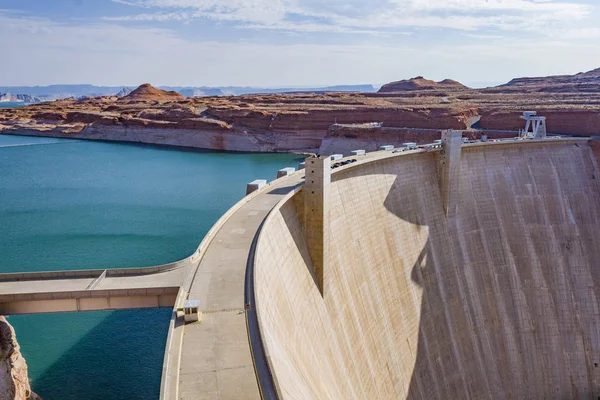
x=14 y=382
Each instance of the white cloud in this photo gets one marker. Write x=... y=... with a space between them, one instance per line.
x=496 y=5
x=260 y=11
x=377 y=14
x=113 y=53
x=577 y=34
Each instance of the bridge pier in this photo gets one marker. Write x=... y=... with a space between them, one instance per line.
x=316 y=214
x=450 y=171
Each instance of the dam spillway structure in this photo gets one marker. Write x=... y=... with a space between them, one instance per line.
x=472 y=272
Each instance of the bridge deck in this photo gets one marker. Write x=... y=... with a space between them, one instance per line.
x=40 y=292
x=172 y=278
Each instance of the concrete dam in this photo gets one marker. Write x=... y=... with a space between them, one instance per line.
x=456 y=270
x=487 y=287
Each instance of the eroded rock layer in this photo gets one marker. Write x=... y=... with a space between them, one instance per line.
x=303 y=121
x=14 y=382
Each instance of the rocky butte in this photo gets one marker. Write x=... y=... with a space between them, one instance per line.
x=415 y=109
x=14 y=382
x=420 y=83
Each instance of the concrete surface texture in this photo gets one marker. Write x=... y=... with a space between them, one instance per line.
x=498 y=300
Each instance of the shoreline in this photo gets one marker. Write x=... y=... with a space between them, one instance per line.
x=305 y=143
x=173 y=146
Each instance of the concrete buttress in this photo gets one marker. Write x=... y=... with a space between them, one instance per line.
x=449 y=171
x=316 y=214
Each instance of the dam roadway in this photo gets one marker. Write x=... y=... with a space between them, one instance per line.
x=484 y=287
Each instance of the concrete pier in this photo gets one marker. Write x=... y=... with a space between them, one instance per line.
x=285 y=171
x=255 y=185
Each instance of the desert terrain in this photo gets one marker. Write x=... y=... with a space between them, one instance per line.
x=410 y=110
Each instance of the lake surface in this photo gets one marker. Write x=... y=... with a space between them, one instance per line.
x=11 y=104
x=70 y=204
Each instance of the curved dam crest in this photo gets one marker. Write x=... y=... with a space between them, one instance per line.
x=499 y=300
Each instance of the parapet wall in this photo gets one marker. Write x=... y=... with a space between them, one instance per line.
x=344 y=138
x=499 y=301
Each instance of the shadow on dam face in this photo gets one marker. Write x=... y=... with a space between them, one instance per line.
x=510 y=284
x=499 y=301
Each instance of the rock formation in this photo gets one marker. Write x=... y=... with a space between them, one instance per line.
x=147 y=92
x=581 y=82
x=414 y=110
x=14 y=382
x=420 y=83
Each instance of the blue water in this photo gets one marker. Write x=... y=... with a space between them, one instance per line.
x=70 y=204
x=11 y=104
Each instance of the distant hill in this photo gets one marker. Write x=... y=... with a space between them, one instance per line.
x=338 y=88
x=420 y=83
x=585 y=82
x=18 y=98
x=581 y=82
x=147 y=92
x=124 y=92
x=241 y=90
x=53 y=92
x=197 y=92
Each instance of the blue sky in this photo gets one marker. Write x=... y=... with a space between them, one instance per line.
x=293 y=42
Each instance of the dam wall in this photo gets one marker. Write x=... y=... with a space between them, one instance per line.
x=500 y=300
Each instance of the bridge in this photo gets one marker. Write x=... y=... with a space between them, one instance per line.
x=89 y=290
x=227 y=355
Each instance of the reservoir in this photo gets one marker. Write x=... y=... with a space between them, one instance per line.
x=71 y=204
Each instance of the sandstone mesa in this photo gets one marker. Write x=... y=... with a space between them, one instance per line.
x=411 y=110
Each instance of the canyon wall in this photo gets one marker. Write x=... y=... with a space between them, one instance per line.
x=14 y=382
x=321 y=119
x=303 y=121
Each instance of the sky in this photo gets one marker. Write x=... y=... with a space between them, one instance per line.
x=274 y=43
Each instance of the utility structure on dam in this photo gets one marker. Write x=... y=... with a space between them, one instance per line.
x=467 y=271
